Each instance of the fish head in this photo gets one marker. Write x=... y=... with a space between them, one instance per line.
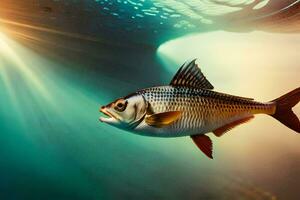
x=126 y=112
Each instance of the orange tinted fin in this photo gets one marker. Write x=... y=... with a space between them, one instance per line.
x=284 y=112
x=204 y=143
x=220 y=131
x=162 y=119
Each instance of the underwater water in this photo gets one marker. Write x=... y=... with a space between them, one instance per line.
x=52 y=84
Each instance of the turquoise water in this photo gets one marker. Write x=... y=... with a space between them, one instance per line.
x=52 y=84
x=53 y=145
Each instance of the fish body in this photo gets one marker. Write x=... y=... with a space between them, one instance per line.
x=189 y=106
x=202 y=110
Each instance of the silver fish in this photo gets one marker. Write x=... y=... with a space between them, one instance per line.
x=190 y=107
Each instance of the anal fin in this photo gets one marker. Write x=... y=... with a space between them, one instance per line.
x=204 y=143
x=223 y=129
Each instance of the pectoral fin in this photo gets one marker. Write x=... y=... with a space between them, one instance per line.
x=204 y=143
x=162 y=119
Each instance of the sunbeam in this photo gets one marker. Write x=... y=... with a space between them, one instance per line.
x=48 y=30
x=9 y=51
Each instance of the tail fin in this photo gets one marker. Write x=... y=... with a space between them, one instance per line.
x=284 y=113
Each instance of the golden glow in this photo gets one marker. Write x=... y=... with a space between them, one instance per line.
x=259 y=65
x=47 y=30
x=2 y=41
x=9 y=51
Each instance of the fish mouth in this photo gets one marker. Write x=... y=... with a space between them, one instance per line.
x=109 y=116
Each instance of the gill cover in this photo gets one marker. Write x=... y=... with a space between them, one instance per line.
x=136 y=110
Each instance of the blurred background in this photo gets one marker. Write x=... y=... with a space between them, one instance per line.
x=61 y=59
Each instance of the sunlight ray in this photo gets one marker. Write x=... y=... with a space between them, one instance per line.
x=9 y=49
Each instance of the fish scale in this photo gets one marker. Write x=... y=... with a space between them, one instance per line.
x=201 y=109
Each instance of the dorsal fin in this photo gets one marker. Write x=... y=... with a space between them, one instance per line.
x=190 y=75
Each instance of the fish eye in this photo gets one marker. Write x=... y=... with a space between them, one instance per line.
x=120 y=106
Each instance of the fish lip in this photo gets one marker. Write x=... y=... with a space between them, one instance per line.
x=107 y=113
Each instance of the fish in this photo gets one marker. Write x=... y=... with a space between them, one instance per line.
x=189 y=106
